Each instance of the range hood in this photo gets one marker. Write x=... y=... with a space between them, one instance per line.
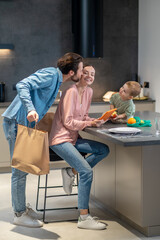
x=87 y=27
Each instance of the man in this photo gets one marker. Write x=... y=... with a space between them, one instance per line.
x=36 y=94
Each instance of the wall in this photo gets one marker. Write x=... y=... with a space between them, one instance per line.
x=41 y=33
x=149 y=46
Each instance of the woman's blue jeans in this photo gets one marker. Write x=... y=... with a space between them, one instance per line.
x=18 y=185
x=71 y=154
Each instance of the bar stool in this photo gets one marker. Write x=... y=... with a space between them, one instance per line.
x=56 y=163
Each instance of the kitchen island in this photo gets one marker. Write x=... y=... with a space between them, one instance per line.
x=127 y=181
x=97 y=106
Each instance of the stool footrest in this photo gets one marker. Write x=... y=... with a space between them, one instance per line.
x=55 y=186
x=50 y=209
x=61 y=195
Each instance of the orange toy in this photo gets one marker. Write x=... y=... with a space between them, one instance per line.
x=107 y=114
x=114 y=114
x=131 y=121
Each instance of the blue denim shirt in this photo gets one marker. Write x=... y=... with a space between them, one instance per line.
x=36 y=92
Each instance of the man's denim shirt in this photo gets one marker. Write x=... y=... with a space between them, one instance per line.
x=36 y=92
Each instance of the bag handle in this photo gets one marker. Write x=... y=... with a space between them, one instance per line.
x=35 y=126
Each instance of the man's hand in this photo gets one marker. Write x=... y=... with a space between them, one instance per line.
x=32 y=116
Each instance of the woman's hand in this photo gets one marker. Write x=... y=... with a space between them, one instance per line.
x=97 y=123
x=32 y=116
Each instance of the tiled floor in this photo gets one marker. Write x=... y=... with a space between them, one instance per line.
x=67 y=230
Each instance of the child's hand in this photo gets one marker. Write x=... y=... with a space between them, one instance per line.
x=121 y=116
x=116 y=118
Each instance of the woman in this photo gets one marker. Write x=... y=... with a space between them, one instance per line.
x=70 y=117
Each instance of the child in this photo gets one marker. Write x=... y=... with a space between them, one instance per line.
x=123 y=101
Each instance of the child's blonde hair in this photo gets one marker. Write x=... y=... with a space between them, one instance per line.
x=134 y=88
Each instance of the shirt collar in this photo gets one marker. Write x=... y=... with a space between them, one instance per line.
x=60 y=75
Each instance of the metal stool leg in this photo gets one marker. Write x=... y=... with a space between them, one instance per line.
x=37 y=201
x=45 y=196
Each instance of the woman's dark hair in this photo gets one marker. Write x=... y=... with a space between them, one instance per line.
x=87 y=64
x=69 y=61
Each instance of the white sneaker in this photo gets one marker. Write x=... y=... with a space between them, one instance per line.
x=32 y=213
x=27 y=221
x=68 y=180
x=91 y=223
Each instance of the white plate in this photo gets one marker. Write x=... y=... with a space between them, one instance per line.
x=124 y=130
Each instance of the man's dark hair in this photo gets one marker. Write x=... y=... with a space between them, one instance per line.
x=69 y=61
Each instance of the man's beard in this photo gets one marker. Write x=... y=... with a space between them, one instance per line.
x=75 y=80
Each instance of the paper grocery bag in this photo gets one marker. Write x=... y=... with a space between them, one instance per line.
x=45 y=123
x=31 y=152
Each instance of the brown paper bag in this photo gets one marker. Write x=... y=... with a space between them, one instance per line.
x=31 y=152
x=45 y=123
